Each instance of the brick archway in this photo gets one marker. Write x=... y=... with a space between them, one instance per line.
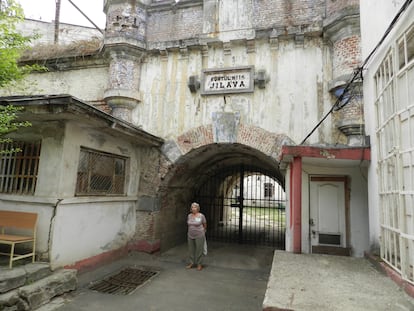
x=255 y=137
x=198 y=153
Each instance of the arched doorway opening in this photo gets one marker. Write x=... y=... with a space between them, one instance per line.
x=240 y=190
x=245 y=205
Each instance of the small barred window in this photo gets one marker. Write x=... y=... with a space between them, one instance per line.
x=19 y=167
x=269 y=190
x=100 y=173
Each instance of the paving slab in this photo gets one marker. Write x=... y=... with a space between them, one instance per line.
x=324 y=282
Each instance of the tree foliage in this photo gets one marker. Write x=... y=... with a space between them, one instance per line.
x=12 y=44
x=8 y=123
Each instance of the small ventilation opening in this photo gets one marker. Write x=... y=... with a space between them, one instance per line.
x=125 y=281
x=332 y=239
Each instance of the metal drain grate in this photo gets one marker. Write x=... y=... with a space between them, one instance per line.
x=124 y=282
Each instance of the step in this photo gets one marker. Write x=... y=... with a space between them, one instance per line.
x=31 y=286
x=21 y=275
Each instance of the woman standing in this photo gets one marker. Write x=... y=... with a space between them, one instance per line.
x=197 y=227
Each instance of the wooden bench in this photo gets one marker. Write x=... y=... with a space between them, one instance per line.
x=17 y=220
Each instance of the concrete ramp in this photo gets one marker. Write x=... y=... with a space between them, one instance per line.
x=324 y=282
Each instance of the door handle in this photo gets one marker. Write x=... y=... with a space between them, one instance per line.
x=311 y=222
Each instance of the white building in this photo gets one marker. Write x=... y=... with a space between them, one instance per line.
x=388 y=47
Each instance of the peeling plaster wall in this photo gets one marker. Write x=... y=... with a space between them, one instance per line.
x=103 y=223
x=84 y=83
x=290 y=103
x=67 y=33
x=102 y=227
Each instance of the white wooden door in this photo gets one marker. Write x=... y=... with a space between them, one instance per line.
x=327 y=213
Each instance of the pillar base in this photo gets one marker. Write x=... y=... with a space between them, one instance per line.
x=355 y=133
x=122 y=102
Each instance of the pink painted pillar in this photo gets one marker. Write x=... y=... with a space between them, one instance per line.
x=296 y=216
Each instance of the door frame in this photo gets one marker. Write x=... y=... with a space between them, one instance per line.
x=333 y=250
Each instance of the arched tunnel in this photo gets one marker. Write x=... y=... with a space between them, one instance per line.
x=240 y=191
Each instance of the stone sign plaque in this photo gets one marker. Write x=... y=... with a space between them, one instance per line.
x=228 y=80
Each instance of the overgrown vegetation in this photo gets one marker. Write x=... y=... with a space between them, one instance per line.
x=79 y=48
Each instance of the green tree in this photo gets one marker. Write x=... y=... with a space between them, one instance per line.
x=8 y=123
x=12 y=45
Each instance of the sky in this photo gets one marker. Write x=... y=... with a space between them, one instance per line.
x=45 y=10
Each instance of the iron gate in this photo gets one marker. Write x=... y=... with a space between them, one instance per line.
x=244 y=205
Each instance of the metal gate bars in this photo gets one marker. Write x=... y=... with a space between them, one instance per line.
x=244 y=205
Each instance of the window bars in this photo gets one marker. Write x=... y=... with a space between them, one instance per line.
x=19 y=166
x=100 y=173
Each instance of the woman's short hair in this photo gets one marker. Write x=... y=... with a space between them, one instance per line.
x=196 y=205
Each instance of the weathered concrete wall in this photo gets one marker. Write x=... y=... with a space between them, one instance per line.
x=180 y=24
x=102 y=226
x=287 y=45
x=297 y=89
x=67 y=33
x=269 y=13
x=87 y=84
x=169 y=43
x=102 y=223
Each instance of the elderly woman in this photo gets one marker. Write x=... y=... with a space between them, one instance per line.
x=197 y=226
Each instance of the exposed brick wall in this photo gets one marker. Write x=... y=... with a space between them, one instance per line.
x=146 y=227
x=179 y=24
x=335 y=6
x=270 y=13
x=103 y=106
x=127 y=20
x=257 y=138
x=352 y=112
x=150 y=173
x=347 y=55
x=175 y=25
x=200 y=136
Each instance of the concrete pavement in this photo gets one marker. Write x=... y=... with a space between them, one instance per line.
x=323 y=282
x=234 y=279
x=239 y=277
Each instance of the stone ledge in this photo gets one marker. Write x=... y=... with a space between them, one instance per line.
x=30 y=297
x=44 y=290
x=19 y=276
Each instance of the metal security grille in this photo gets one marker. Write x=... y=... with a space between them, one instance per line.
x=124 y=282
x=19 y=168
x=100 y=173
x=244 y=205
x=395 y=140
